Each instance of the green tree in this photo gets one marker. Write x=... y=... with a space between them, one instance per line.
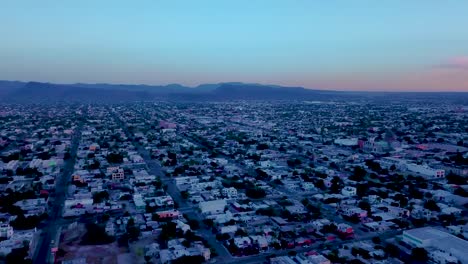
x=419 y=254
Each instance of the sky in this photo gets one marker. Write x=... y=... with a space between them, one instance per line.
x=386 y=45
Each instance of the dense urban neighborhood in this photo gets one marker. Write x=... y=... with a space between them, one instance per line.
x=278 y=182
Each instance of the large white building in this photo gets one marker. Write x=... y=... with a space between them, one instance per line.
x=426 y=171
x=434 y=239
x=213 y=207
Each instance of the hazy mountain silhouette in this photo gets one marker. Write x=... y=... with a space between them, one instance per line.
x=37 y=91
x=7 y=87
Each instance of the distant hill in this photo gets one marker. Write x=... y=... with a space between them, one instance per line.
x=242 y=91
x=7 y=87
x=36 y=91
x=157 y=89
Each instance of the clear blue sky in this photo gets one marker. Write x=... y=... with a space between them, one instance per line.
x=363 y=45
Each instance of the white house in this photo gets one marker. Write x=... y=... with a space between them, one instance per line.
x=213 y=207
x=229 y=192
x=349 y=191
x=6 y=230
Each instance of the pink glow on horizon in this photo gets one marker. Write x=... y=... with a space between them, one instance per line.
x=457 y=63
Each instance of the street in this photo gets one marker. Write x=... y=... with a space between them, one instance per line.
x=53 y=223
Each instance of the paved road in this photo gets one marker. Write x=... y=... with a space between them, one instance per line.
x=52 y=225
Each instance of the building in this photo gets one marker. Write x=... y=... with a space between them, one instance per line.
x=349 y=191
x=442 y=257
x=213 y=207
x=434 y=239
x=347 y=142
x=6 y=231
x=426 y=171
x=229 y=192
x=118 y=174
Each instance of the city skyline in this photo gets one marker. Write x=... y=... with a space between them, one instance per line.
x=366 y=46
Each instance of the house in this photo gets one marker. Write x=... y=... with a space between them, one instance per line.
x=93 y=147
x=110 y=228
x=242 y=242
x=450 y=210
x=139 y=202
x=176 y=250
x=353 y=210
x=320 y=223
x=174 y=214
x=118 y=174
x=261 y=241
x=12 y=165
x=345 y=228
x=230 y=192
x=442 y=257
x=213 y=207
x=282 y=260
x=228 y=229
x=6 y=231
x=314 y=258
x=136 y=159
x=349 y=191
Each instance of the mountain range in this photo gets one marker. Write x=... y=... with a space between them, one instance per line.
x=14 y=91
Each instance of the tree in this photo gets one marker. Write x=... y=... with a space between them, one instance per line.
x=262 y=146
x=208 y=222
x=376 y=240
x=240 y=232
x=189 y=259
x=336 y=184
x=460 y=191
x=402 y=200
x=115 y=158
x=261 y=174
x=23 y=223
x=364 y=205
x=456 y=179
x=99 y=197
x=168 y=231
x=331 y=228
x=184 y=194
x=358 y=174
x=96 y=235
x=194 y=224
x=431 y=205
x=266 y=211
x=320 y=184
x=255 y=193
x=18 y=255
x=361 y=190
x=392 y=250
x=133 y=232
x=419 y=254
x=223 y=237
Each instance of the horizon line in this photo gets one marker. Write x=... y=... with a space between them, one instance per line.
x=237 y=82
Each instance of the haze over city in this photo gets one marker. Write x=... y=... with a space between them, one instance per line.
x=339 y=45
